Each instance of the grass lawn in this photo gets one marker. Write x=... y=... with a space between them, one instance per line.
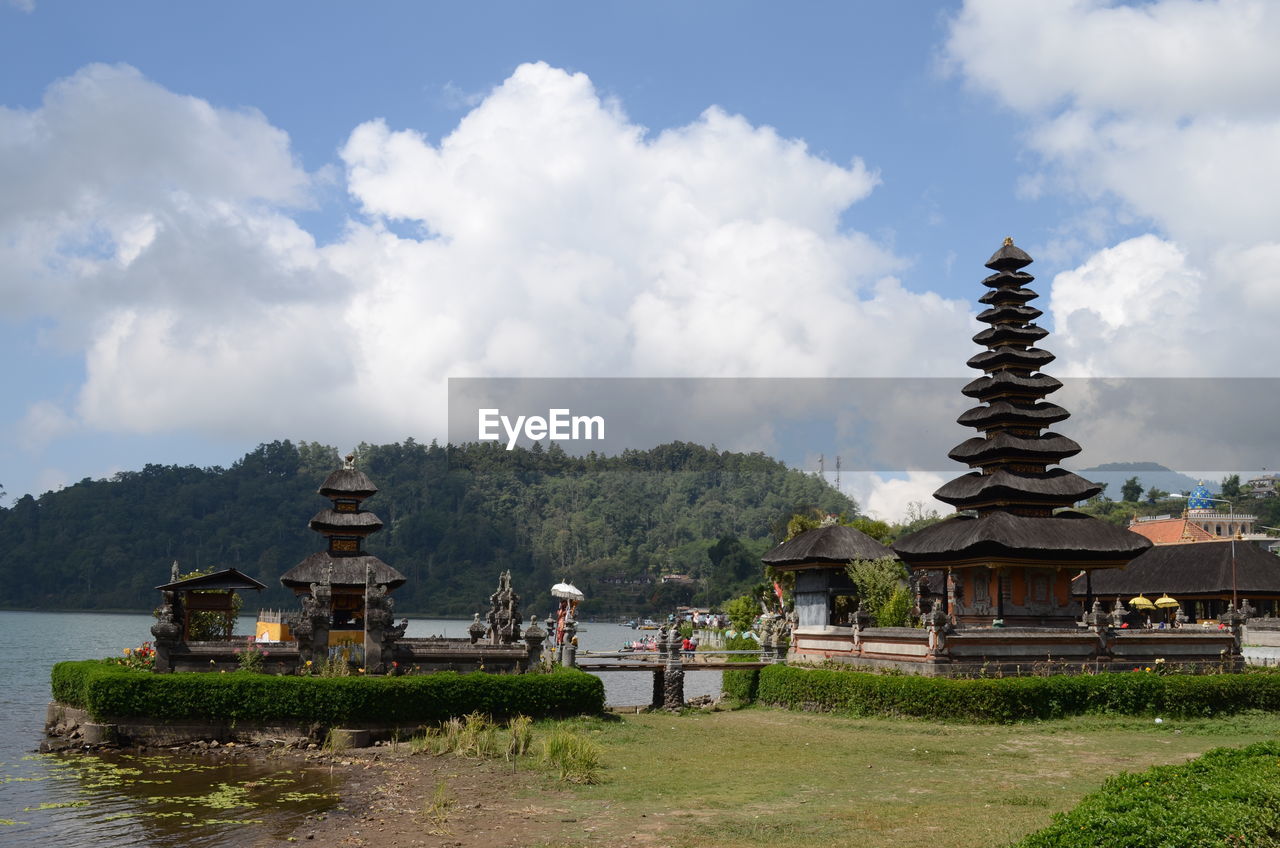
x=762 y=777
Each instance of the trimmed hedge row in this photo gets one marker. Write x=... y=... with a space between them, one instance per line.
x=740 y=685
x=1228 y=796
x=1009 y=699
x=109 y=690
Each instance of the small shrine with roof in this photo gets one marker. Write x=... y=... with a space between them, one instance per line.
x=347 y=612
x=344 y=570
x=824 y=594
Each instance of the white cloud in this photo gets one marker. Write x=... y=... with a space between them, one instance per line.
x=1136 y=307
x=893 y=498
x=43 y=423
x=1165 y=113
x=558 y=238
x=1171 y=58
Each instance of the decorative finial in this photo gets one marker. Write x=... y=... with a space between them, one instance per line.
x=349 y=462
x=1008 y=241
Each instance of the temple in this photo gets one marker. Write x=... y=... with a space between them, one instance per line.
x=1011 y=553
x=993 y=582
x=344 y=563
x=346 y=620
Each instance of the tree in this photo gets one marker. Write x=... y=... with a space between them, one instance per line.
x=877 y=530
x=670 y=595
x=878 y=581
x=1231 y=487
x=742 y=612
x=1131 y=491
x=1155 y=494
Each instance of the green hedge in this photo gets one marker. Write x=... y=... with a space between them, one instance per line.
x=109 y=690
x=1229 y=796
x=740 y=685
x=1009 y=699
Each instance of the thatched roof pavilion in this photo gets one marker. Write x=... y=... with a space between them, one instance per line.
x=1017 y=549
x=1206 y=573
x=834 y=544
x=824 y=595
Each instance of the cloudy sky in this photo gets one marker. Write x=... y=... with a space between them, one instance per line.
x=223 y=224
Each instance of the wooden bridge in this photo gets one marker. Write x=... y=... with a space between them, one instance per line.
x=658 y=665
x=656 y=661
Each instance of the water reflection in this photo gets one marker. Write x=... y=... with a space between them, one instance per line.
x=159 y=800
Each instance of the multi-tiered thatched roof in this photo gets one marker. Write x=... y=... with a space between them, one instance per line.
x=1010 y=504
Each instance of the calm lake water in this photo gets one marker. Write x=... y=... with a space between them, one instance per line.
x=74 y=800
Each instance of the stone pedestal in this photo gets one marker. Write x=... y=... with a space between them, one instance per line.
x=534 y=636
x=673 y=687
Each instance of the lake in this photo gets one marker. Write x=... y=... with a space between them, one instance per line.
x=120 y=798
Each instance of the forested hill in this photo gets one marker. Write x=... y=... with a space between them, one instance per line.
x=454 y=516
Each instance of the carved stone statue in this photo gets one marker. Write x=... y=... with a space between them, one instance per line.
x=311 y=627
x=504 y=613
x=477 y=629
x=168 y=628
x=938 y=624
x=956 y=591
x=534 y=636
x=1118 y=612
x=1096 y=618
x=861 y=618
x=380 y=634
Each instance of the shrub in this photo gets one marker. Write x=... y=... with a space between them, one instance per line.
x=576 y=757
x=520 y=731
x=108 y=690
x=1228 y=796
x=742 y=612
x=897 y=610
x=740 y=685
x=882 y=587
x=250 y=658
x=1011 y=699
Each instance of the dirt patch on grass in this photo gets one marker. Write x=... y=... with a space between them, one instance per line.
x=393 y=799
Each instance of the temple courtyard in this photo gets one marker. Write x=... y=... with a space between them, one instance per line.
x=763 y=777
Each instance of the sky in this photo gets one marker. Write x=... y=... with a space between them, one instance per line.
x=224 y=224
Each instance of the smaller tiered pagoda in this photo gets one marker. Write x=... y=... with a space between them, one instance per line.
x=333 y=583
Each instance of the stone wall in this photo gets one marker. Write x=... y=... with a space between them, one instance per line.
x=1029 y=650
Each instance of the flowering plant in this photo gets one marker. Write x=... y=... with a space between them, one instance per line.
x=250 y=658
x=143 y=656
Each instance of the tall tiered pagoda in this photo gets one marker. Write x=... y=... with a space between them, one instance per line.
x=1010 y=554
x=344 y=562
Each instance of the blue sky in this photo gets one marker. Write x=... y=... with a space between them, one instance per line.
x=231 y=223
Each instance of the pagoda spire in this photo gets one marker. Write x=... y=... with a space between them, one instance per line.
x=345 y=524
x=1011 y=527
x=1012 y=452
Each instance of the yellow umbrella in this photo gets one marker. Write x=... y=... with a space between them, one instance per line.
x=1166 y=602
x=1141 y=602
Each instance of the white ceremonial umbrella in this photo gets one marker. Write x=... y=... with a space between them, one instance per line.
x=567 y=590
